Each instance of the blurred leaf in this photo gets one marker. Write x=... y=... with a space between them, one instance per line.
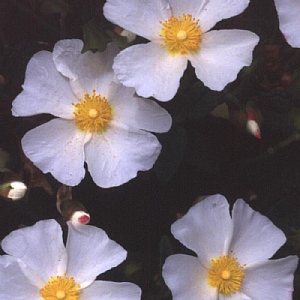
x=221 y=111
x=49 y=7
x=173 y=151
x=33 y=4
x=4 y=158
x=120 y=41
x=165 y=249
x=95 y=39
x=203 y=101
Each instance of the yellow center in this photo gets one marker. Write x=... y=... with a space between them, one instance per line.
x=61 y=288
x=181 y=35
x=226 y=274
x=93 y=113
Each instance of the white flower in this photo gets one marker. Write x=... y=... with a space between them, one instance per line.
x=39 y=267
x=289 y=21
x=233 y=255
x=179 y=31
x=99 y=122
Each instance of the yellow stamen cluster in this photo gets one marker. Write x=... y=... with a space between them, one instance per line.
x=61 y=288
x=181 y=35
x=93 y=113
x=226 y=274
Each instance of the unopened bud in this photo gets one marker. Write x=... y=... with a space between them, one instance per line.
x=80 y=217
x=129 y=35
x=253 y=128
x=11 y=185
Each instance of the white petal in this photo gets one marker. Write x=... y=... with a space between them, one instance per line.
x=40 y=247
x=270 y=280
x=150 y=70
x=116 y=156
x=139 y=16
x=235 y=296
x=90 y=253
x=65 y=56
x=88 y=71
x=289 y=22
x=14 y=284
x=107 y=290
x=187 y=278
x=209 y=12
x=222 y=55
x=255 y=237
x=57 y=147
x=45 y=90
x=138 y=112
x=206 y=228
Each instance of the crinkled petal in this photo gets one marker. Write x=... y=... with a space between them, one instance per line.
x=289 y=21
x=139 y=16
x=45 y=90
x=206 y=228
x=116 y=156
x=14 y=285
x=150 y=70
x=270 y=280
x=187 y=278
x=88 y=71
x=90 y=253
x=65 y=56
x=40 y=247
x=222 y=55
x=138 y=112
x=57 y=147
x=107 y=290
x=209 y=12
x=255 y=238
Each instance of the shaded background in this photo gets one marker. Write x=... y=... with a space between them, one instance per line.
x=207 y=151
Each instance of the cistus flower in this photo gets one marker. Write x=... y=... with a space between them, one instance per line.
x=233 y=254
x=99 y=122
x=289 y=22
x=179 y=31
x=39 y=267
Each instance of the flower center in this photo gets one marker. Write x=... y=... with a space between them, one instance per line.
x=226 y=274
x=93 y=113
x=181 y=35
x=61 y=288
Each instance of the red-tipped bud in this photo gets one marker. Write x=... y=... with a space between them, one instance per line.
x=80 y=217
x=252 y=123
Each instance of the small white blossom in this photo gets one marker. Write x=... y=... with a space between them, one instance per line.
x=99 y=121
x=39 y=266
x=179 y=31
x=233 y=252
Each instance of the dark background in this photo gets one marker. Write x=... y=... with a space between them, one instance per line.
x=207 y=151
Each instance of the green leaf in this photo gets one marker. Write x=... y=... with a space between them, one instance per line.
x=172 y=154
x=49 y=7
x=95 y=38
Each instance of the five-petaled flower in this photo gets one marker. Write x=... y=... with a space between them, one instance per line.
x=179 y=32
x=289 y=21
x=99 y=122
x=39 y=266
x=232 y=255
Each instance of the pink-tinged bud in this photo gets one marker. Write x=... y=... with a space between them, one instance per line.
x=253 y=128
x=80 y=217
x=252 y=123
